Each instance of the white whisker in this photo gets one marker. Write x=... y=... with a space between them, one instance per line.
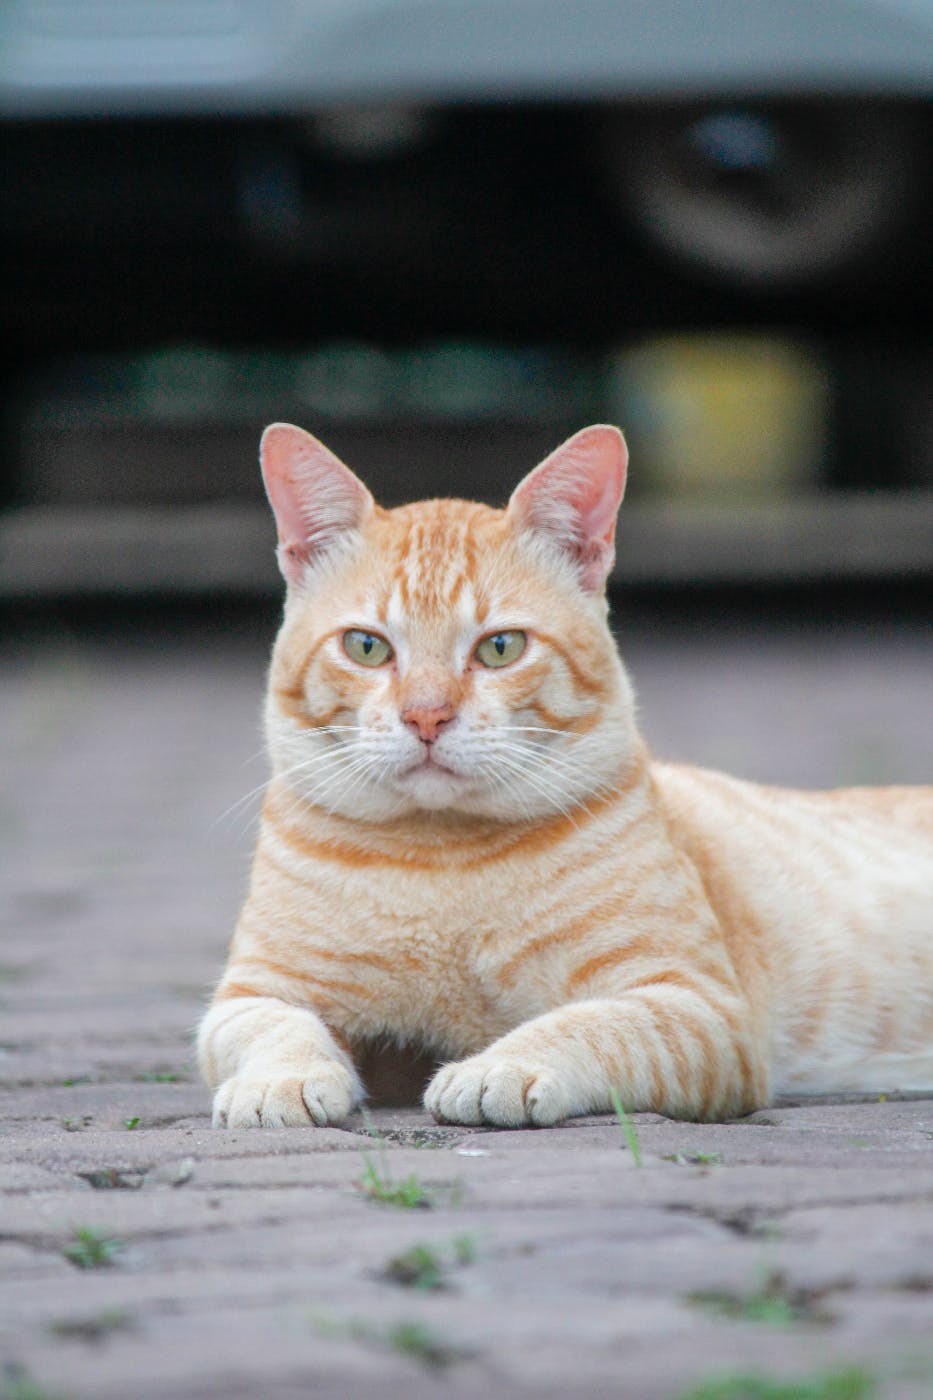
x=571 y=767
x=235 y=807
x=362 y=770
x=554 y=795
x=308 y=797
x=537 y=729
x=539 y=759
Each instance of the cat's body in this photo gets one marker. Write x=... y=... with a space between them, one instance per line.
x=470 y=851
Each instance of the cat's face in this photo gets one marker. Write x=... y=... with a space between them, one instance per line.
x=445 y=655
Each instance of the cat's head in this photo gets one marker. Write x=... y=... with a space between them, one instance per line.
x=446 y=655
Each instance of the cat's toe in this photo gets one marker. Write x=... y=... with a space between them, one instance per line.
x=329 y=1096
x=285 y=1101
x=237 y=1104
x=222 y=1100
x=283 y=1105
x=453 y=1096
x=293 y=1103
x=257 y=1103
x=503 y=1095
x=545 y=1102
x=517 y=1094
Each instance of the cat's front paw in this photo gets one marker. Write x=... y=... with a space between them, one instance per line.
x=326 y=1095
x=504 y=1090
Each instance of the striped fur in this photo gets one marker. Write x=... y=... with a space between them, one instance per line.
x=486 y=866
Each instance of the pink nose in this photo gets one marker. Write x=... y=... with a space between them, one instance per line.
x=427 y=720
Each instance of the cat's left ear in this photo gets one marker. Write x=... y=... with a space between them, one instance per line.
x=313 y=496
x=573 y=498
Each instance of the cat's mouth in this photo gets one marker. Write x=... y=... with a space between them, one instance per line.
x=431 y=784
x=429 y=763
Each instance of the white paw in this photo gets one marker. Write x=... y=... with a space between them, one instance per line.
x=501 y=1089
x=280 y=1101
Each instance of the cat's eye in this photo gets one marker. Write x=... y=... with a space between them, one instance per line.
x=501 y=648
x=367 y=648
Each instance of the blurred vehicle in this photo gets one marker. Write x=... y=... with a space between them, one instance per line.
x=571 y=173
x=225 y=167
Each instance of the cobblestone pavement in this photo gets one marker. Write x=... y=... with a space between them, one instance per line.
x=796 y=1244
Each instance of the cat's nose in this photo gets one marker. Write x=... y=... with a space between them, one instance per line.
x=427 y=720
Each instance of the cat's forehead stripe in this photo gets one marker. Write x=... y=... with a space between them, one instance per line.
x=436 y=555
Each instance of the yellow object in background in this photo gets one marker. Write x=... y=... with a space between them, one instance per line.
x=722 y=416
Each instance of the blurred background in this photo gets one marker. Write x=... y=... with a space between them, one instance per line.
x=443 y=236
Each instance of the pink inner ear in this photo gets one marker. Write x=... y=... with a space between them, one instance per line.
x=313 y=495
x=574 y=497
x=598 y=459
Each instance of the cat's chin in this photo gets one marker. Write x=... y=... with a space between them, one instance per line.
x=434 y=789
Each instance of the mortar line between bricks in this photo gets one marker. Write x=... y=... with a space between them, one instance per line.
x=755 y=1218
x=40 y=1243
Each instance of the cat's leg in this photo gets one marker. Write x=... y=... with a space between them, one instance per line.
x=274 y=1065
x=662 y=1048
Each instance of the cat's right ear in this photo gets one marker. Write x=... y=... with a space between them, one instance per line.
x=313 y=496
x=572 y=500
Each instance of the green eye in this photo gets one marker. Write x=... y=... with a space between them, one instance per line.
x=367 y=648
x=501 y=648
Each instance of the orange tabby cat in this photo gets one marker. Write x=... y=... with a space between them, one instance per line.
x=466 y=848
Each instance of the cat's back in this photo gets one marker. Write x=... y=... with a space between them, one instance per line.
x=711 y=811
x=805 y=856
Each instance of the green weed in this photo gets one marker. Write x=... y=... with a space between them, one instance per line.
x=420 y=1267
x=464 y=1247
x=851 y=1384
x=17 y=1385
x=773 y=1303
x=628 y=1128
x=378 y=1185
x=409 y=1338
x=415 y=1340
x=694 y=1159
x=131 y=1124
x=426 y=1268
x=91 y=1250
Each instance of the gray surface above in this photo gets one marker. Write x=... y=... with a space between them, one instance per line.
x=240 y=56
